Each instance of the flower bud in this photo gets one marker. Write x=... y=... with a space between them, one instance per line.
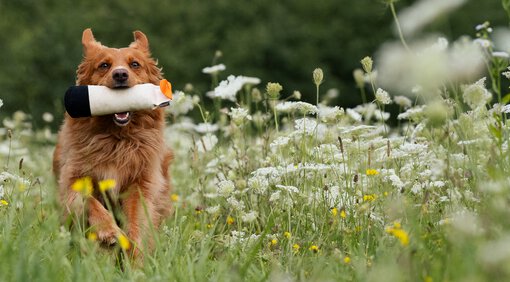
x=359 y=78
x=366 y=63
x=273 y=89
x=318 y=76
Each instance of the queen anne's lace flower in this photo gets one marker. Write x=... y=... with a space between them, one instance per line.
x=475 y=95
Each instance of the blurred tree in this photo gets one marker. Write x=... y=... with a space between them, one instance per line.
x=279 y=41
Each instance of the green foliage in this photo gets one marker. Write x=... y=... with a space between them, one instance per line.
x=506 y=6
x=280 y=41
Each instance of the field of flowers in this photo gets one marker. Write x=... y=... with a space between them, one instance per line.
x=269 y=187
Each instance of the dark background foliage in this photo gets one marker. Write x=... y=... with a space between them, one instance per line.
x=278 y=41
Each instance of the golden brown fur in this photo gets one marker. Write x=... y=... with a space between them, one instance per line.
x=134 y=155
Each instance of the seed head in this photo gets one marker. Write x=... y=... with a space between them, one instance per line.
x=273 y=89
x=318 y=76
x=366 y=63
x=359 y=78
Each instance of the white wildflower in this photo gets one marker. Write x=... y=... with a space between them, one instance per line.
x=289 y=189
x=505 y=109
x=250 y=216
x=357 y=130
x=366 y=110
x=236 y=204
x=272 y=174
x=431 y=67
x=423 y=12
x=258 y=184
x=403 y=101
x=506 y=74
x=413 y=114
x=438 y=184
x=306 y=125
x=213 y=209
x=227 y=89
x=275 y=196
x=382 y=96
x=482 y=26
x=476 y=95
x=1 y=103
x=380 y=115
x=47 y=117
x=298 y=107
x=330 y=114
x=327 y=152
x=484 y=43
x=225 y=187
x=206 y=127
x=239 y=115
x=354 y=115
x=207 y=143
x=214 y=69
x=181 y=103
x=417 y=188
x=279 y=142
x=500 y=54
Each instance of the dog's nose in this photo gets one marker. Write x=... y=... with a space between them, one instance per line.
x=120 y=75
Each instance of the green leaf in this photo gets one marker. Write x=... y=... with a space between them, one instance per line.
x=506 y=6
x=506 y=98
x=496 y=132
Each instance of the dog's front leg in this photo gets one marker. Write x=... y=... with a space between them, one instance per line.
x=138 y=207
x=102 y=222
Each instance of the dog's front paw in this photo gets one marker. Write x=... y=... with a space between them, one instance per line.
x=107 y=234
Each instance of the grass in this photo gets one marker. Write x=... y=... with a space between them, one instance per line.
x=278 y=190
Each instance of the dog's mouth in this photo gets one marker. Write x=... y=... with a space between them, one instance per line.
x=122 y=119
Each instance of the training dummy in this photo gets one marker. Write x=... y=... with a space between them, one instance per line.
x=96 y=100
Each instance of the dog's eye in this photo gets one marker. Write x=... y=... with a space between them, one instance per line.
x=104 y=66
x=135 y=64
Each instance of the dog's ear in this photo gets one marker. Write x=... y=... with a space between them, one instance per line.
x=89 y=42
x=141 y=42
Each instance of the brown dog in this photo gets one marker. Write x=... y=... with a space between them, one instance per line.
x=127 y=147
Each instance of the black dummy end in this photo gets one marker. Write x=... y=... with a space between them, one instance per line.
x=77 y=101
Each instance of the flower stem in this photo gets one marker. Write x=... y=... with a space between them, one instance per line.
x=399 y=29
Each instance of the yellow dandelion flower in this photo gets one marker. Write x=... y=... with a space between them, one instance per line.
x=209 y=226
x=107 y=184
x=174 y=198
x=402 y=236
x=314 y=248
x=296 y=248
x=343 y=214
x=385 y=194
x=274 y=241
x=92 y=236
x=124 y=242
x=372 y=172
x=347 y=260
x=4 y=203
x=397 y=225
x=369 y=197
x=399 y=233
x=83 y=185
x=334 y=212
x=428 y=279
x=230 y=220
x=287 y=234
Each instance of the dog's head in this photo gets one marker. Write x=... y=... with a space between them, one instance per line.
x=117 y=67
